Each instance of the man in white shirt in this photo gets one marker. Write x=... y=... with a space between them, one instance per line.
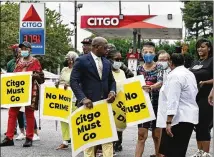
x=163 y=59
x=179 y=110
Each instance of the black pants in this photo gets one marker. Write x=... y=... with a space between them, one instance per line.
x=22 y=121
x=205 y=124
x=177 y=145
x=120 y=138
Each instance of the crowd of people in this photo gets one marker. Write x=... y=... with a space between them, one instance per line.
x=181 y=96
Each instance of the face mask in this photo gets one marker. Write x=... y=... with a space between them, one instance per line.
x=116 y=65
x=148 y=57
x=24 y=53
x=164 y=64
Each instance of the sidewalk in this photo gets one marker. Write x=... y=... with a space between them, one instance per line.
x=50 y=139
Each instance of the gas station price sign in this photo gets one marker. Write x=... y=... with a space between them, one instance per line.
x=32 y=26
x=35 y=37
x=32 y=38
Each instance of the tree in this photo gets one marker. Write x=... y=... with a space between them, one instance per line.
x=57 y=41
x=123 y=45
x=198 y=18
x=57 y=36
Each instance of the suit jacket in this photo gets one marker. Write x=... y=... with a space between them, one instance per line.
x=85 y=81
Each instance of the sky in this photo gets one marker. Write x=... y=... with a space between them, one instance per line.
x=110 y=8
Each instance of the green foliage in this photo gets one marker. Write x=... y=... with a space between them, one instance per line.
x=198 y=18
x=57 y=36
x=123 y=45
x=9 y=30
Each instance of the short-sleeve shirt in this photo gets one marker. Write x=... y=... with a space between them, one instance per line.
x=151 y=77
x=203 y=71
x=119 y=77
x=11 y=65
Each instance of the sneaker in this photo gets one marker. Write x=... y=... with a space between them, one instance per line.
x=100 y=154
x=6 y=142
x=199 y=153
x=206 y=154
x=36 y=137
x=118 y=148
x=21 y=137
x=69 y=142
x=28 y=143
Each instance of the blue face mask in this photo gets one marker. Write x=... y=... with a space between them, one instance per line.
x=24 y=53
x=148 y=57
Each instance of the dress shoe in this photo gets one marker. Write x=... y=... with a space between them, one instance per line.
x=28 y=143
x=7 y=142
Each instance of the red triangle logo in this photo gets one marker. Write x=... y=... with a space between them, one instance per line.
x=32 y=15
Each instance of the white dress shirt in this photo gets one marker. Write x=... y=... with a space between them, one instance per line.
x=178 y=97
x=165 y=73
x=96 y=60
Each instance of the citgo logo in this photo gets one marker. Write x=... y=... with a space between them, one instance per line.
x=32 y=19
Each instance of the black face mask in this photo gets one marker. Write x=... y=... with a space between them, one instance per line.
x=65 y=63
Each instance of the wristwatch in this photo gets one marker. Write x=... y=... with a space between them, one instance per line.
x=168 y=123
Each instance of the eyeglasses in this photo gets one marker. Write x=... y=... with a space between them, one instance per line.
x=117 y=59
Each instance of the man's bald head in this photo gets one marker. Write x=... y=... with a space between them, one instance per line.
x=99 y=46
x=99 y=41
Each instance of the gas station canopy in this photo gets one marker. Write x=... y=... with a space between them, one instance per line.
x=122 y=26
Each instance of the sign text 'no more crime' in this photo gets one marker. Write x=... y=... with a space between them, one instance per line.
x=59 y=106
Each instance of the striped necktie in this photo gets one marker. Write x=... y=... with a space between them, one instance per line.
x=100 y=67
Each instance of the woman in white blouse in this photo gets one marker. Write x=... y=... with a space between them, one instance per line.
x=178 y=111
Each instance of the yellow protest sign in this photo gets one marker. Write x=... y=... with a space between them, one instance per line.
x=119 y=110
x=56 y=103
x=138 y=104
x=16 y=89
x=90 y=127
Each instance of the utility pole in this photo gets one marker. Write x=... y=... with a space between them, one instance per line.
x=59 y=13
x=75 y=25
x=120 y=7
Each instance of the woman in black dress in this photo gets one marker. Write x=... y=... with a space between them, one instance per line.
x=203 y=71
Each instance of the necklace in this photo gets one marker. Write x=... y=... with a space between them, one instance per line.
x=201 y=61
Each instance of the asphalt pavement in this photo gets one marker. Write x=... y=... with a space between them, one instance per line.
x=50 y=139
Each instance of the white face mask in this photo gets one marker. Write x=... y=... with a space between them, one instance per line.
x=164 y=64
x=24 y=53
x=116 y=65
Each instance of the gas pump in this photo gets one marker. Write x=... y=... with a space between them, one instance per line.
x=133 y=60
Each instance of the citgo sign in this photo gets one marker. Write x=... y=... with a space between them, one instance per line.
x=31 y=15
x=103 y=21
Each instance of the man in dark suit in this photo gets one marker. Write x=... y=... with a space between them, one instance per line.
x=93 y=72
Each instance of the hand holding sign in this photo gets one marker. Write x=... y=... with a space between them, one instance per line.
x=147 y=88
x=111 y=97
x=87 y=103
x=36 y=76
